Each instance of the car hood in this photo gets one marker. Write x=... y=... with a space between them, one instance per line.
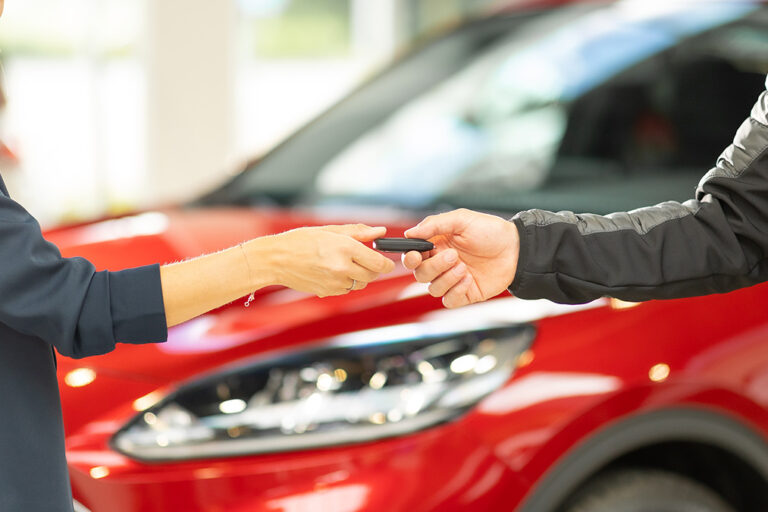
x=278 y=318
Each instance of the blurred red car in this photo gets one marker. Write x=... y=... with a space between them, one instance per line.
x=381 y=400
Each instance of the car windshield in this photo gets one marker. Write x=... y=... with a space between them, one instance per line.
x=496 y=132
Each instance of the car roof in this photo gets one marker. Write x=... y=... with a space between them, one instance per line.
x=511 y=6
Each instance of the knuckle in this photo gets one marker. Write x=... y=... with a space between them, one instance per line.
x=337 y=268
x=439 y=268
x=452 y=301
x=420 y=277
x=438 y=265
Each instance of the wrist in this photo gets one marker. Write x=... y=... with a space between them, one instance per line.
x=519 y=255
x=264 y=262
x=512 y=237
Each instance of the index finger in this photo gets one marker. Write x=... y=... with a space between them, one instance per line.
x=413 y=259
x=440 y=224
x=372 y=260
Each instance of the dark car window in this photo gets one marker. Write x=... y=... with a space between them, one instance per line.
x=589 y=110
x=649 y=134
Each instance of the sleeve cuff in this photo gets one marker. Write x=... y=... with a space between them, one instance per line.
x=516 y=287
x=138 y=310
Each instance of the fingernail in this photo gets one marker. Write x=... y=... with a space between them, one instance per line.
x=461 y=268
x=451 y=257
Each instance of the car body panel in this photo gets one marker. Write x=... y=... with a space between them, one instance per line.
x=590 y=369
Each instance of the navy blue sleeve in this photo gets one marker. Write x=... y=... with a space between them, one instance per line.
x=64 y=301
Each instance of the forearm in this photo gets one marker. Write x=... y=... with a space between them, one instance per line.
x=193 y=287
x=694 y=254
x=323 y=261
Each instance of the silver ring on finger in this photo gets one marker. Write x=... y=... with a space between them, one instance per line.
x=354 y=282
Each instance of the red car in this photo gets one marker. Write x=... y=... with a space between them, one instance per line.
x=382 y=400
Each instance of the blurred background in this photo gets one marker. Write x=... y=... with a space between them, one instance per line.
x=114 y=105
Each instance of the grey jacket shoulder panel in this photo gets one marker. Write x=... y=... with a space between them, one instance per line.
x=641 y=220
x=751 y=140
x=713 y=243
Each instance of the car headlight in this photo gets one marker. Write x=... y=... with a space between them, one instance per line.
x=370 y=385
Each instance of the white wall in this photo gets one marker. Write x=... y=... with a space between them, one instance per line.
x=190 y=63
x=126 y=103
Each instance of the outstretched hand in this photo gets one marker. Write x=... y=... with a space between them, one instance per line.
x=329 y=260
x=474 y=259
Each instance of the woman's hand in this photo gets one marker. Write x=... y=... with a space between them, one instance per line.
x=319 y=260
x=324 y=260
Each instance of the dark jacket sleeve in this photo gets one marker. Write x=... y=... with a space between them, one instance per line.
x=714 y=243
x=64 y=301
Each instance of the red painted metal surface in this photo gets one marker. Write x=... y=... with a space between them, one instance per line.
x=590 y=367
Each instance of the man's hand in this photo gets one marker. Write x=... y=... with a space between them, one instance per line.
x=474 y=259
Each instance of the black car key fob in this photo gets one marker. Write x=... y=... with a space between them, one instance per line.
x=402 y=245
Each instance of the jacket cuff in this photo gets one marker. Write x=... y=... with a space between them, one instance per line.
x=138 y=310
x=517 y=286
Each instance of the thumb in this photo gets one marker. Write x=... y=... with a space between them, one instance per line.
x=443 y=224
x=359 y=232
